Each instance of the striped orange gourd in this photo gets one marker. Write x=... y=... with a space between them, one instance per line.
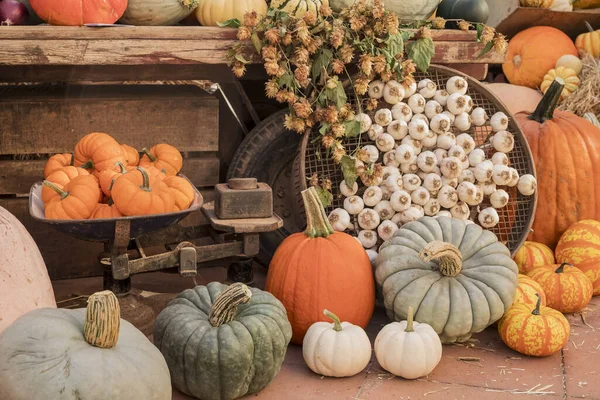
x=580 y=246
x=567 y=289
x=532 y=255
x=527 y=291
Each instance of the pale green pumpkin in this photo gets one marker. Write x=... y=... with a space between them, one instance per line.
x=223 y=342
x=407 y=10
x=458 y=277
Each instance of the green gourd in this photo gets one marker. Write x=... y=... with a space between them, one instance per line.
x=223 y=342
x=469 y=10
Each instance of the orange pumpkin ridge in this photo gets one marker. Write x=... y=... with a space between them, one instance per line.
x=131 y=154
x=163 y=156
x=528 y=291
x=532 y=255
x=106 y=177
x=60 y=178
x=57 y=162
x=182 y=191
x=567 y=289
x=98 y=151
x=137 y=193
x=77 y=200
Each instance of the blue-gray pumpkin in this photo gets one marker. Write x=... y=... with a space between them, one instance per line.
x=223 y=342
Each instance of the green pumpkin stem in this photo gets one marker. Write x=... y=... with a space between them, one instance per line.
x=150 y=155
x=145 y=180
x=317 y=223
x=102 y=320
x=72 y=159
x=547 y=105
x=561 y=268
x=87 y=165
x=224 y=309
x=337 y=324
x=588 y=26
x=122 y=168
x=409 y=320
x=58 y=190
x=538 y=304
x=449 y=256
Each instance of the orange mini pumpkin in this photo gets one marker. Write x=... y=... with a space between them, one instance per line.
x=528 y=291
x=163 y=156
x=106 y=177
x=98 y=151
x=532 y=255
x=182 y=191
x=103 y=211
x=57 y=162
x=136 y=193
x=321 y=269
x=567 y=289
x=580 y=246
x=77 y=200
x=131 y=154
x=60 y=178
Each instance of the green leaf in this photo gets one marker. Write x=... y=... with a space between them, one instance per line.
x=349 y=170
x=486 y=49
x=479 y=28
x=395 y=44
x=337 y=95
x=421 y=51
x=323 y=60
x=286 y=80
x=325 y=196
x=239 y=57
x=230 y=23
x=407 y=35
x=256 y=42
x=352 y=128
x=324 y=128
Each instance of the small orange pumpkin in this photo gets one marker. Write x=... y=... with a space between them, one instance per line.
x=163 y=156
x=131 y=154
x=567 y=289
x=106 y=177
x=56 y=162
x=137 y=193
x=182 y=191
x=77 y=200
x=528 y=291
x=98 y=151
x=103 y=211
x=60 y=178
x=532 y=255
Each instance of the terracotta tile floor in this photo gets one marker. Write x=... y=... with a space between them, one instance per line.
x=499 y=374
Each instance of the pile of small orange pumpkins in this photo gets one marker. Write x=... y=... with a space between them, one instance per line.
x=105 y=179
x=552 y=284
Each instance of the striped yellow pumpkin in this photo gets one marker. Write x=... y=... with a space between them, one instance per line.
x=298 y=8
x=527 y=291
x=532 y=255
x=567 y=289
x=589 y=42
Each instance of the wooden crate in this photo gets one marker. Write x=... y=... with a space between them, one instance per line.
x=36 y=122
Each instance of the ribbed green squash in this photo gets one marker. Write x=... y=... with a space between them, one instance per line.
x=405 y=9
x=458 y=278
x=298 y=7
x=223 y=342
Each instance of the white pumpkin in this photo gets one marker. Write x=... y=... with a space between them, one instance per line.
x=408 y=349
x=210 y=12
x=336 y=349
x=406 y=9
x=570 y=61
x=157 y=12
x=562 y=5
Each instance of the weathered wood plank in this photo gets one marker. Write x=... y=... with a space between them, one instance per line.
x=477 y=71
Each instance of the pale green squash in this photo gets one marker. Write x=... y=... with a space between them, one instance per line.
x=298 y=8
x=405 y=9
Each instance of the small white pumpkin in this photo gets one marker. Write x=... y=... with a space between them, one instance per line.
x=408 y=349
x=336 y=349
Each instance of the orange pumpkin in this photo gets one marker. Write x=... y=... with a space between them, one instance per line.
x=77 y=200
x=182 y=191
x=534 y=330
x=567 y=289
x=103 y=211
x=137 y=193
x=60 y=178
x=321 y=269
x=532 y=255
x=566 y=152
x=79 y=12
x=163 y=156
x=131 y=154
x=533 y=52
x=528 y=291
x=56 y=162
x=98 y=151
x=580 y=246
x=106 y=177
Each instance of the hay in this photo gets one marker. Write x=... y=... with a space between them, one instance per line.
x=587 y=97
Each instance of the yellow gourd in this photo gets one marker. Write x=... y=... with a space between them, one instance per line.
x=570 y=61
x=589 y=42
x=536 y=3
x=566 y=76
x=210 y=12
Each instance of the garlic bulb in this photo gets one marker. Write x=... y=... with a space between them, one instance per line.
x=456 y=103
x=412 y=214
x=477 y=156
x=447 y=196
x=441 y=96
x=444 y=213
x=368 y=219
x=397 y=219
x=499 y=122
x=387 y=193
x=384 y=209
x=527 y=185
x=387 y=229
x=365 y=122
x=393 y=92
x=417 y=145
x=501 y=175
x=466 y=141
x=421 y=175
x=499 y=198
x=410 y=167
x=453 y=182
x=432 y=182
x=368 y=238
x=376 y=89
x=416 y=102
x=440 y=154
x=488 y=217
x=410 y=89
x=432 y=207
x=372 y=196
x=346 y=190
x=483 y=171
x=461 y=211
x=467 y=192
x=418 y=129
x=427 y=88
x=404 y=153
x=389 y=159
x=456 y=151
x=426 y=161
x=432 y=108
x=420 y=196
x=390 y=170
x=401 y=111
x=411 y=182
x=514 y=177
x=499 y=158
x=463 y=122
x=394 y=183
x=450 y=115
x=354 y=204
x=457 y=84
x=440 y=123
x=385 y=142
x=372 y=151
x=400 y=200
x=446 y=141
x=477 y=199
x=466 y=176
x=503 y=141
x=430 y=140
x=374 y=131
x=383 y=116
x=339 y=219
x=487 y=187
x=451 y=167
x=421 y=117
x=479 y=116
x=469 y=103
x=398 y=129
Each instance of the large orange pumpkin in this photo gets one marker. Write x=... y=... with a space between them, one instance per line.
x=567 y=289
x=532 y=255
x=533 y=52
x=528 y=291
x=98 y=151
x=321 y=269
x=56 y=162
x=566 y=152
x=580 y=246
x=60 y=178
x=77 y=200
x=79 y=12
x=137 y=193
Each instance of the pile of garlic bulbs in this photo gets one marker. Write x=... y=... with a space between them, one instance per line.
x=432 y=166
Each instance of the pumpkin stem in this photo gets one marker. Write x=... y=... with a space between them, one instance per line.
x=317 y=223
x=337 y=324
x=409 y=320
x=449 y=256
x=225 y=306
x=587 y=25
x=536 y=310
x=102 y=320
x=122 y=168
x=150 y=155
x=88 y=165
x=110 y=200
x=145 y=180
x=72 y=159
x=189 y=4
x=561 y=268
x=546 y=106
x=58 y=190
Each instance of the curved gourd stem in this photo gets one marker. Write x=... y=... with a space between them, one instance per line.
x=225 y=306
x=449 y=256
x=145 y=180
x=150 y=155
x=189 y=4
x=561 y=268
x=317 y=223
x=102 y=320
x=337 y=324
x=538 y=304
x=123 y=169
x=58 y=190
x=545 y=108
x=409 y=320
